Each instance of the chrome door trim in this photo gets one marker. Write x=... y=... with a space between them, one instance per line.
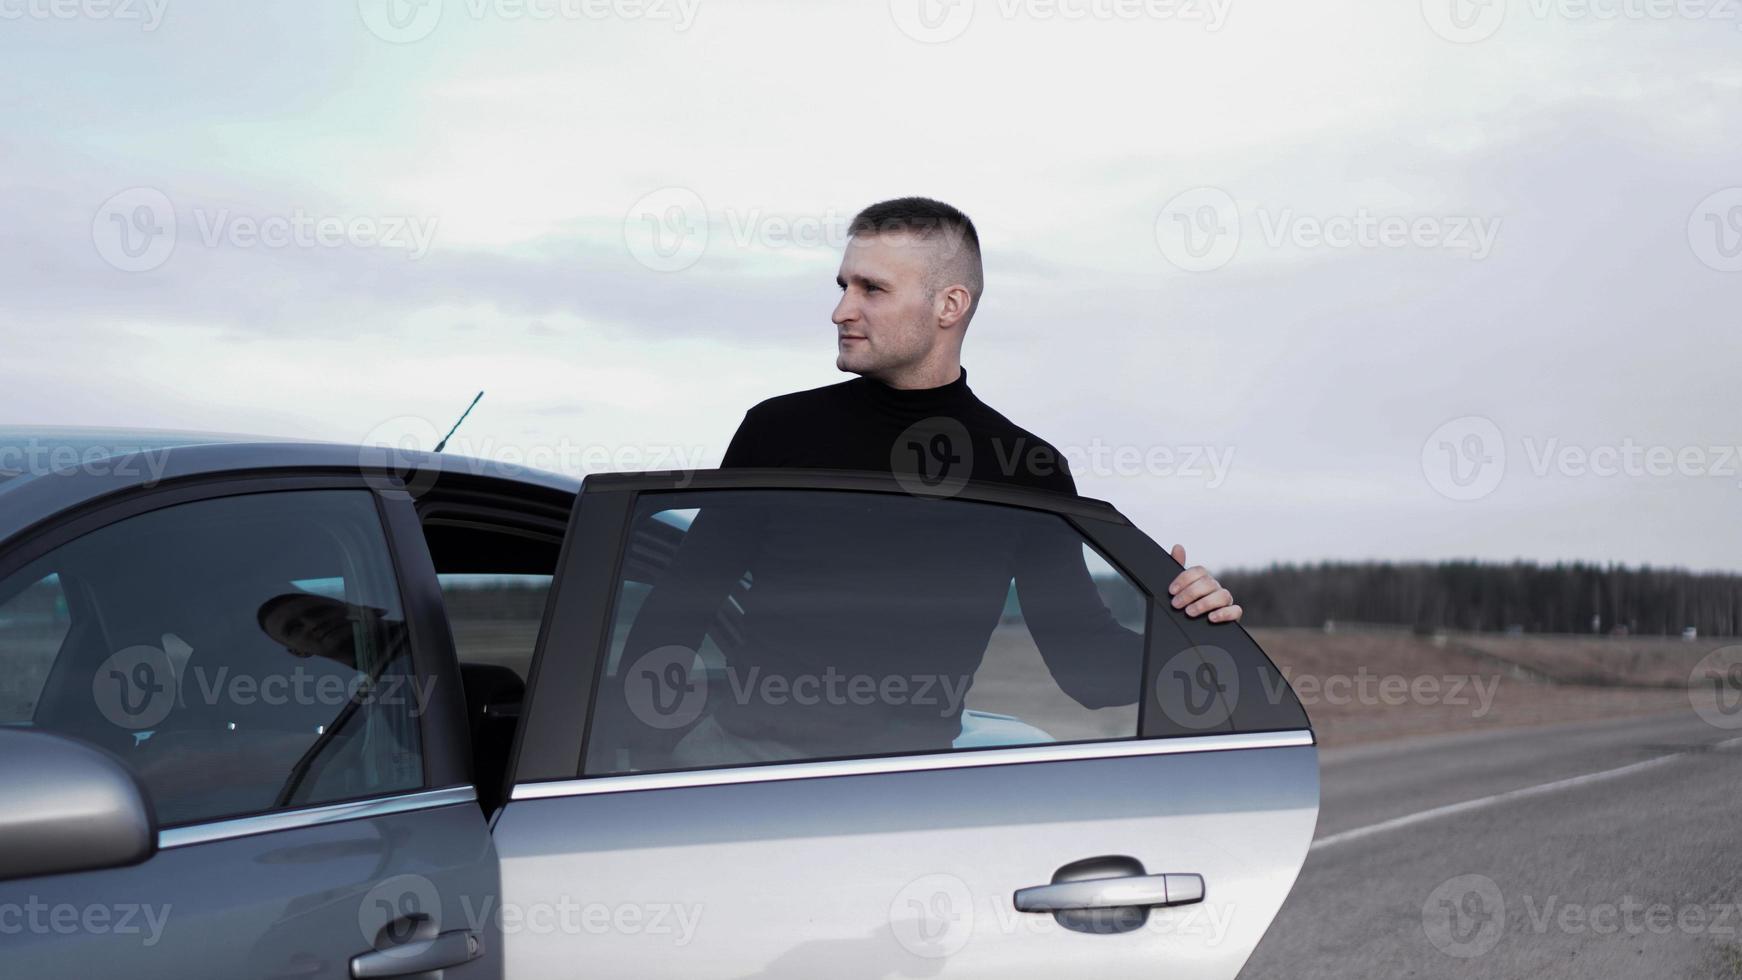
x=266 y=823
x=780 y=772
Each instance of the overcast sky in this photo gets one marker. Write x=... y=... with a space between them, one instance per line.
x=1287 y=281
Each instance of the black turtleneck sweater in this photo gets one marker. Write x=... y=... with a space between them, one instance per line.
x=883 y=586
x=932 y=433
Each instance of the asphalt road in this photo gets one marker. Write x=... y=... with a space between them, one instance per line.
x=1609 y=850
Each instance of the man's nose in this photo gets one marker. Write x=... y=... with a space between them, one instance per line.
x=845 y=312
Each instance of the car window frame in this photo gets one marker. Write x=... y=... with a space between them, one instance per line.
x=445 y=753
x=551 y=745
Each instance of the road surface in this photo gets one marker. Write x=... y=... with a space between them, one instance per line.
x=1609 y=850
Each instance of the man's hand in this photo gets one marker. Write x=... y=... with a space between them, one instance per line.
x=1197 y=592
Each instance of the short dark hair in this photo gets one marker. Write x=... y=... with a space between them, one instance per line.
x=931 y=220
x=919 y=215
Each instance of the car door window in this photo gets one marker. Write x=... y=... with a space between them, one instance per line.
x=33 y=624
x=776 y=626
x=241 y=654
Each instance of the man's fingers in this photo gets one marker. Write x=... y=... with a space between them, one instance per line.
x=1179 y=554
x=1227 y=614
x=1186 y=578
x=1200 y=586
x=1215 y=600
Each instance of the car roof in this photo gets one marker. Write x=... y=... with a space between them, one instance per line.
x=45 y=470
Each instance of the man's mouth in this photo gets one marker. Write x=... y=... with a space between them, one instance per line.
x=851 y=336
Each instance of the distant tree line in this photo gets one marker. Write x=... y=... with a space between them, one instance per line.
x=1468 y=595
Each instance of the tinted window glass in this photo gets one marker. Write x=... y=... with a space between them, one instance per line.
x=240 y=654
x=33 y=623
x=768 y=626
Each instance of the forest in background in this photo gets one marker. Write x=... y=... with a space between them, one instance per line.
x=1484 y=596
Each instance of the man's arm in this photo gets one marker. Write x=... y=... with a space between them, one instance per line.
x=1090 y=655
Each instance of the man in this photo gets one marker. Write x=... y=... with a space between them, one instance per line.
x=871 y=587
x=911 y=281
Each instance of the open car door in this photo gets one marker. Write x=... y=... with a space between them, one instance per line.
x=807 y=723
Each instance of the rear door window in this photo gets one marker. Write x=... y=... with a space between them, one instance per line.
x=242 y=654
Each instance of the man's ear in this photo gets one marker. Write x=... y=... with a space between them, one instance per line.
x=952 y=305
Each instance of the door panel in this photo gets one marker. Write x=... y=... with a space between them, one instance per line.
x=268 y=656
x=777 y=850
x=295 y=903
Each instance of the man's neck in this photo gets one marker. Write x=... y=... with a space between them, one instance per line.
x=920 y=376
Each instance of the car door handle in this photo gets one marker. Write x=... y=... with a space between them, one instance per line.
x=418 y=956
x=1129 y=891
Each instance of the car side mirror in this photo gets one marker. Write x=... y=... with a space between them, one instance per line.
x=68 y=806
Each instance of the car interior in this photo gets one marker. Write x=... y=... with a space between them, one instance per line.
x=495 y=554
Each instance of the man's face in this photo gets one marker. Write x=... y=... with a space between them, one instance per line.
x=886 y=319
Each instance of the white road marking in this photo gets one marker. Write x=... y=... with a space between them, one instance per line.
x=1466 y=806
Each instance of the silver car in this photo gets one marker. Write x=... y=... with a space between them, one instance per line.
x=307 y=710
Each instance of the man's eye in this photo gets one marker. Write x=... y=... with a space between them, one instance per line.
x=872 y=289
